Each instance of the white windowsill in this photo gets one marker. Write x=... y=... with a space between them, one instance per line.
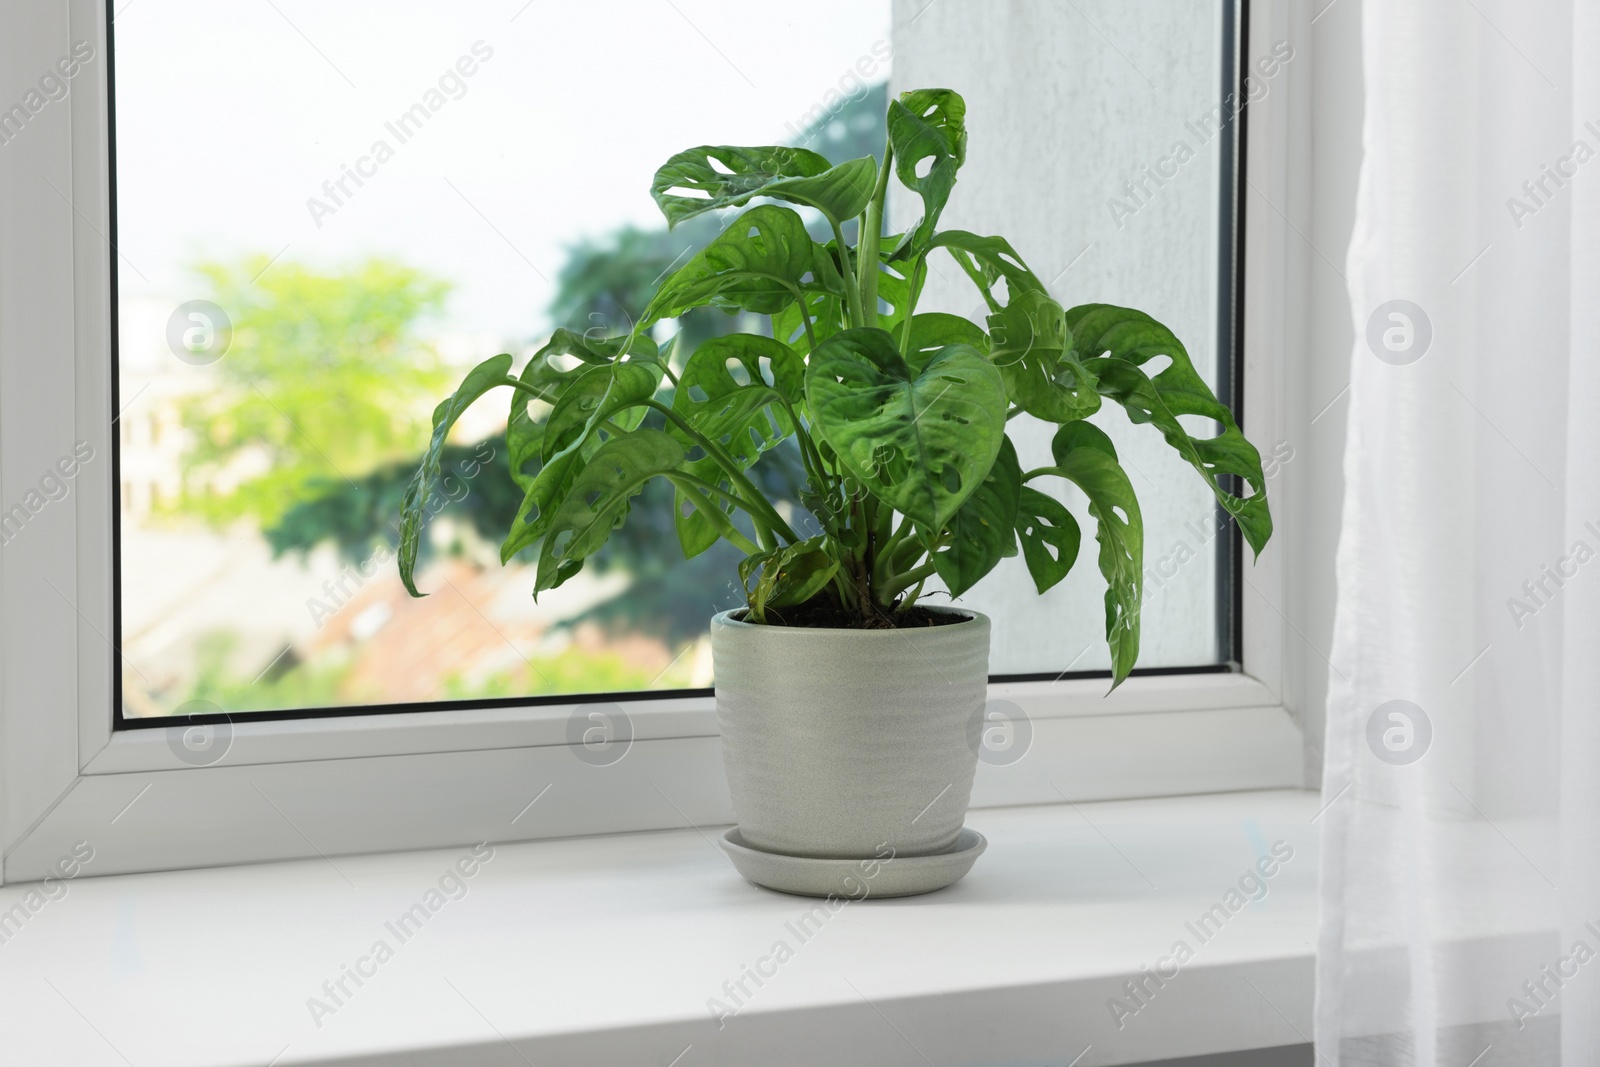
x=607 y=949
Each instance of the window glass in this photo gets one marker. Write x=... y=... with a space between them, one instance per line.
x=1098 y=138
x=325 y=213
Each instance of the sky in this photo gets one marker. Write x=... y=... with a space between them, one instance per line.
x=231 y=117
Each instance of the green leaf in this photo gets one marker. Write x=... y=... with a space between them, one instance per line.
x=786 y=576
x=597 y=501
x=1080 y=435
x=549 y=376
x=485 y=376
x=932 y=330
x=1031 y=348
x=1049 y=536
x=691 y=183
x=826 y=312
x=524 y=438
x=826 y=305
x=986 y=261
x=544 y=492
x=1120 y=531
x=591 y=348
x=757 y=264
x=1032 y=342
x=600 y=396
x=1115 y=343
x=927 y=124
x=983 y=529
x=920 y=442
x=597 y=395
x=745 y=418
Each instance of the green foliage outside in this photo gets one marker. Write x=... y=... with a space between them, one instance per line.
x=326 y=378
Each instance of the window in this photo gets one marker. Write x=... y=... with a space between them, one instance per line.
x=1112 y=173
x=192 y=465
x=381 y=203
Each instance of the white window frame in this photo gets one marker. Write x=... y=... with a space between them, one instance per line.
x=308 y=787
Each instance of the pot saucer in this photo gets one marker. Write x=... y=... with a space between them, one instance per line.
x=855 y=879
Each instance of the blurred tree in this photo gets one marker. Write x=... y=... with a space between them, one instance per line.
x=324 y=380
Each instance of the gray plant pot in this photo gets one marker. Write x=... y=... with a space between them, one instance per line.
x=838 y=743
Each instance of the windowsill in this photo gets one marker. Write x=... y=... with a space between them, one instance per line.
x=607 y=950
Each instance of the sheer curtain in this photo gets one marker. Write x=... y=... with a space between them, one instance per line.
x=1461 y=828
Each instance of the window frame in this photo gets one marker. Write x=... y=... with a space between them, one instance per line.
x=309 y=787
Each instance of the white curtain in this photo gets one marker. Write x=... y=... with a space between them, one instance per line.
x=1461 y=830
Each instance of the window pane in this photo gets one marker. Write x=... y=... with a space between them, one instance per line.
x=1095 y=146
x=326 y=213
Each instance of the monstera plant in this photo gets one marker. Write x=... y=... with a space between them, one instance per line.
x=900 y=421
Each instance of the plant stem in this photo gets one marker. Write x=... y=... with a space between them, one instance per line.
x=695 y=489
x=869 y=527
x=903 y=533
x=809 y=454
x=965 y=263
x=842 y=587
x=869 y=240
x=901 y=551
x=763 y=509
x=518 y=383
x=911 y=303
x=805 y=320
x=852 y=296
x=861 y=559
x=911 y=577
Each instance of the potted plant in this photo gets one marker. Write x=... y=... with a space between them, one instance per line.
x=849 y=708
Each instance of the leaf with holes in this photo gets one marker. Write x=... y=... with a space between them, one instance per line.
x=745 y=417
x=493 y=371
x=759 y=263
x=598 y=394
x=548 y=374
x=988 y=261
x=547 y=489
x=1049 y=536
x=928 y=135
x=825 y=312
x=983 y=529
x=1120 y=531
x=1032 y=343
x=592 y=348
x=784 y=577
x=712 y=177
x=601 y=401
x=933 y=330
x=525 y=424
x=1032 y=348
x=825 y=305
x=1115 y=343
x=1080 y=435
x=919 y=442
x=597 y=501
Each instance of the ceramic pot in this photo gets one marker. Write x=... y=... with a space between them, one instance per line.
x=839 y=743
